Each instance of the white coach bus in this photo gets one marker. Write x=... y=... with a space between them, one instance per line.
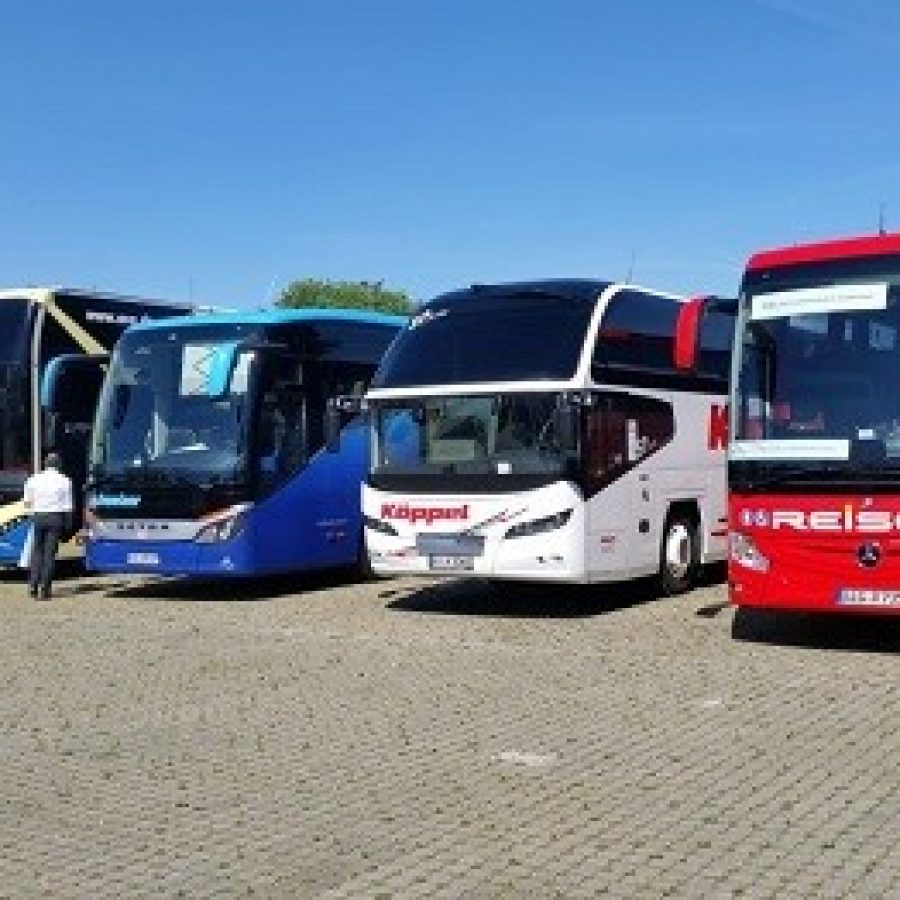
x=541 y=431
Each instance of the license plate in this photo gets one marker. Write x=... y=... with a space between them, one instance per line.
x=868 y=597
x=143 y=559
x=448 y=563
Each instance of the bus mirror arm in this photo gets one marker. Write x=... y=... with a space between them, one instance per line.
x=337 y=411
x=566 y=418
x=51 y=429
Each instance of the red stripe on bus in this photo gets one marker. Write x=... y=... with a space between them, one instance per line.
x=823 y=251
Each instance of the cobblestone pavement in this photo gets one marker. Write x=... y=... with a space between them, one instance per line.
x=395 y=739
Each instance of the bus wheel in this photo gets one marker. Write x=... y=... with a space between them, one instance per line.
x=678 y=555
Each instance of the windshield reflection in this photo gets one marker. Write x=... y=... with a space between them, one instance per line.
x=509 y=434
x=819 y=386
x=158 y=414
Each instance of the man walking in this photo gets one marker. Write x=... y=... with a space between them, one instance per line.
x=48 y=499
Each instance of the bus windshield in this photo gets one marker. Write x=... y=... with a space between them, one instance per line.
x=489 y=336
x=500 y=434
x=816 y=356
x=160 y=414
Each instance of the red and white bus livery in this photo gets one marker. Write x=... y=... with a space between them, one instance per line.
x=814 y=462
x=541 y=431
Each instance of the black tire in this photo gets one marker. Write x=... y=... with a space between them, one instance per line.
x=678 y=555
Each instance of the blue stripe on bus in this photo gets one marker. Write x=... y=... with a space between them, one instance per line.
x=273 y=317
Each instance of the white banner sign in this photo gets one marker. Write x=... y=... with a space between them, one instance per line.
x=837 y=298
x=799 y=448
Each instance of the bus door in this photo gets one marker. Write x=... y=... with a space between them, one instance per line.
x=69 y=395
x=622 y=432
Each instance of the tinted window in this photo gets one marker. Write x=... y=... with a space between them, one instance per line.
x=14 y=331
x=490 y=338
x=354 y=343
x=55 y=341
x=283 y=436
x=77 y=389
x=716 y=336
x=636 y=332
x=350 y=342
x=622 y=430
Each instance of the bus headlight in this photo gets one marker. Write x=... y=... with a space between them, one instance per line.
x=539 y=526
x=744 y=552
x=222 y=528
x=378 y=525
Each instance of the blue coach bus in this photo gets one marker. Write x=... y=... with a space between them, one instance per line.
x=208 y=454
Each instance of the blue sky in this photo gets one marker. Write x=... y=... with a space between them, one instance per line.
x=219 y=149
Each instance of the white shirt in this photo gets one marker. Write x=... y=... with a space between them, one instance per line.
x=48 y=492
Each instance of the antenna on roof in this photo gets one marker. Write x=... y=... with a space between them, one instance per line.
x=631 y=259
x=881 y=218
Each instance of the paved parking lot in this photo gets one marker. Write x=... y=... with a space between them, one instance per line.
x=394 y=739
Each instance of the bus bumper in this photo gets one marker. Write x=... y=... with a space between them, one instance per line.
x=542 y=558
x=228 y=558
x=807 y=588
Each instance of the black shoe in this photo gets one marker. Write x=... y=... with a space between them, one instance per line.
x=32 y=592
x=44 y=594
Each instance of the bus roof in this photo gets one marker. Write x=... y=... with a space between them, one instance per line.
x=274 y=317
x=578 y=289
x=40 y=295
x=823 y=251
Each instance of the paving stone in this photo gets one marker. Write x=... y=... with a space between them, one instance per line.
x=315 y=737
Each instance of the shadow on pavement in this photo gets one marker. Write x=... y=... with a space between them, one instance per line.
x=818 y=631
x=270 y=587
x=472 y=597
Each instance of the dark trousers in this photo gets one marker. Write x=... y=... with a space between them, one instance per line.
x=48 y=528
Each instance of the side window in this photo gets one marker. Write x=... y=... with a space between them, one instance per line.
x=348 y=379
x=716 y=336
x=55 y=341
x=77 y=391
x=283 y=437
x=636 y=333
x=621 y=431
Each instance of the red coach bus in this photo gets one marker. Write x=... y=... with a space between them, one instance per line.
x=814 y=455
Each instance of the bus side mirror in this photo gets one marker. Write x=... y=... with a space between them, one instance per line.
x=686 y=340
x=687 y=334
x=69 y=391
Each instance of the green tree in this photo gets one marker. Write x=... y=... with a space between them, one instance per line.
x=354 y=294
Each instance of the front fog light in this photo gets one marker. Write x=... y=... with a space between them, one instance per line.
x=222 y=528
x=539 y=526
x=744 y=552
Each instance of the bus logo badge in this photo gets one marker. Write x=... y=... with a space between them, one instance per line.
x=868 y=555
